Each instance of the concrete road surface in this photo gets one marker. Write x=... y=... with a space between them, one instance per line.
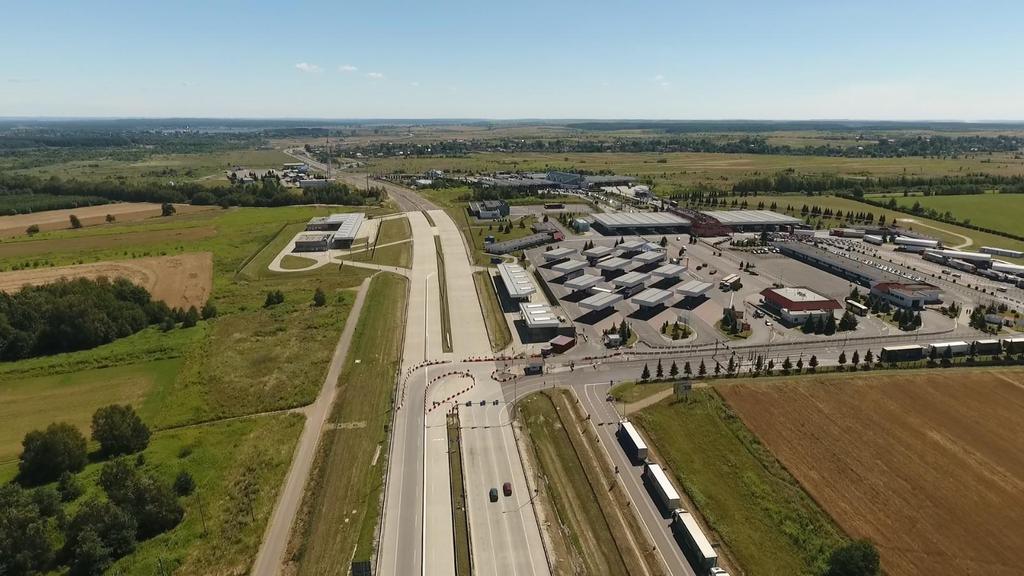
x=469 y=334
x=401 y=534
x=505 y=535
x=275 y=540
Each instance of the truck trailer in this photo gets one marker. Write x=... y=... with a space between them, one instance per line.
x=955 y=348
x=632 y=443
x=664 y=492
x=901 y=353
x=694 y=543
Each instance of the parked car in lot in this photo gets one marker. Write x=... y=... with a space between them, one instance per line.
x=493 y=494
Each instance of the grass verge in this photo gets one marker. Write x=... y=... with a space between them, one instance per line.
x=292 y=262
x=598 y=534
x=494 y=318
x=463 y=557
x=757 y=508
x=341 y=509
x=629 y=392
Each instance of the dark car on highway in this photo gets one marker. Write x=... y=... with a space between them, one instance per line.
x=507 y=488
x=494 y=494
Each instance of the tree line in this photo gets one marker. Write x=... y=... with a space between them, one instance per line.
x=264 y=193
x=38 y=530
x=70 y=315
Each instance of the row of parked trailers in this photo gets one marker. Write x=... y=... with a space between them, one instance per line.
x=911 y=352
x=687 y=530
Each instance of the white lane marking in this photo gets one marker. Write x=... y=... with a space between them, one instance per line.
x=522 y=473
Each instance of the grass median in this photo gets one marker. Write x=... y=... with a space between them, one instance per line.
x=494 y=318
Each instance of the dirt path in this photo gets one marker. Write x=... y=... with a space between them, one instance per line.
x=967 y=241
x=275 y=539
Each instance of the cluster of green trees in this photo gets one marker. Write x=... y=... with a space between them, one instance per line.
x=37 y=534
x=70 y=315
x=907 y=320
x=267 y=192
x=20 y=202
x=274 y=297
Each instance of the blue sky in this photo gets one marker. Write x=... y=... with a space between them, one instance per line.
x=898 y=59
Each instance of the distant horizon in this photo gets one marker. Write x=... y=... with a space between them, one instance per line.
x=438 y=119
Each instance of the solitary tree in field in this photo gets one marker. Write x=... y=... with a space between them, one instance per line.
x=110 y=218
x=858 y=558
x=32 y=230
x=119 y=430
x=167 y=209
x=46 y=454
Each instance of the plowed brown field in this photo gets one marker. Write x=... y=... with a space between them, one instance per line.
x=928 y=465
x=184 y=280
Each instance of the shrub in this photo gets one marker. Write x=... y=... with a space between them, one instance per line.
x=49 y=454
x=119 y=430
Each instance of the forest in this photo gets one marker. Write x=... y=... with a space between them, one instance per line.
x=73 y=315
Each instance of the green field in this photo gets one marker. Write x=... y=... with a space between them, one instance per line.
x=341 y=508
x=33 y=403
x=292 y=262
x=206 y=168
x=247 y=360
x=1003 y=212
x=672 y=170
x=765 y=518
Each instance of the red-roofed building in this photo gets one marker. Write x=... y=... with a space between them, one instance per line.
x=795 y=305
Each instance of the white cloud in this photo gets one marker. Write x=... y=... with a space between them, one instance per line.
x=414 y=84
x=375 y=75
x=660 y=80
x=307 y=67
x=347 y=68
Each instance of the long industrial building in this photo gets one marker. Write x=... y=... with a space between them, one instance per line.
x=517 y=281
x=752 y=220
x=344 y=227
x=616 y=223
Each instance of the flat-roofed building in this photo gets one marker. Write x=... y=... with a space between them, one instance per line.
x=631 y=280
x=752 y=220
x=631 y=246
x=907 y=295
x=615 y=223
x=693 y=289
x=842 y=266
x=538 y=316
x=600 y=301
x=313 y=242
x=570 y=268
x=668 y=271
x=557 y=254
x=506 y=246
x=649 y=258
x=583 y=282
x=489 y=209
x=598 y=252
x=652 y=298
x=517 y=281
x=796 y=304
x=614 y=264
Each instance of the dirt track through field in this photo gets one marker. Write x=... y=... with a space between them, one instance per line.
x=180 y=281
x=928 y=465
x=87 y=215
